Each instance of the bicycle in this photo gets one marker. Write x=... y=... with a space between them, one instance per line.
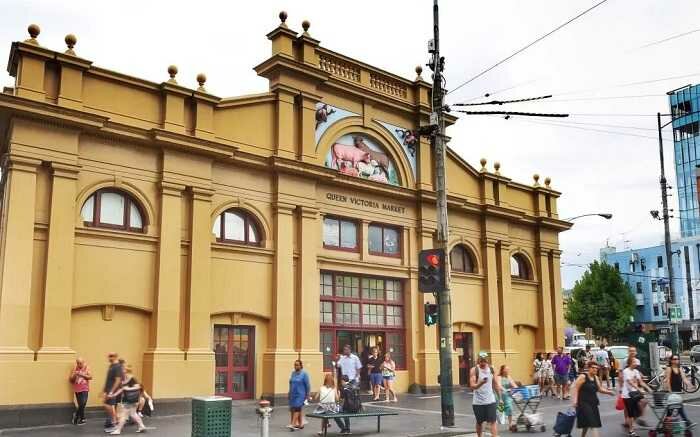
x=691 y=374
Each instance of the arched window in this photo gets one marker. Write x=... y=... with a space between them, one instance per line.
x=519 y=267
x=462 y=260
x=114 y=209
x=237 y=226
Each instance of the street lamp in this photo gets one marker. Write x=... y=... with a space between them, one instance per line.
x=605 y=215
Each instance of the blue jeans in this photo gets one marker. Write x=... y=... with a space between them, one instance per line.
x=341 y=425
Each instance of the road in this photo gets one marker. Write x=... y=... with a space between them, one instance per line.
x=418 y=416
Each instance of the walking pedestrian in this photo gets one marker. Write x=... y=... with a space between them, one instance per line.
x=388 y=367
x=561 y=364
x=80 y=377
x=299 y=391
x=485 y=387
x=613 y=367
x=585 y=400
x=129 y=393
x=537 y=365
x=375 y=372
x=507 y=383
x=603 y=361
x=349 y=365
x=548 y=376
x=632 y=386
x=675 y=380
x=113 y=382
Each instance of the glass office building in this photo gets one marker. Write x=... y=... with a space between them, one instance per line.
x=685 y=104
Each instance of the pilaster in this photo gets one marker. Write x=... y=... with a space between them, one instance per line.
x=174 y=106
x=306 y=104
x=545 y=335
x=504 y=289
x=557 y=300
x=491 y=335
x=425 y=165
x=60 y=267
x=17 y=256
x=284 y=122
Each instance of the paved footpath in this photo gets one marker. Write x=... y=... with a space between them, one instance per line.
x=418 y=416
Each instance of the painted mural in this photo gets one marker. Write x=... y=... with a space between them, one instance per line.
x=408 y=140
x=358 y=155
x=326 y=115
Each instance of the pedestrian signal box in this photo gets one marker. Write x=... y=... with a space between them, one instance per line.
x=431 y=270
x=431 y=314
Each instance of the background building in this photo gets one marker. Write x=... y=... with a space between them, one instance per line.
x=214 y=241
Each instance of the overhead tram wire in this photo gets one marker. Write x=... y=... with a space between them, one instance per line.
x=618 y=126
x=502 y=102
x=527 y=46
x=661 y=41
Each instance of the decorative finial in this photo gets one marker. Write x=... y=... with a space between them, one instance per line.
x=283 y=18
x=419 y=70
x=201 y=78
x=496 y=167
x=34 y=31
x=536 y=178
x=547 y=181
x=172 y=71
x=70 y=40
x=305 y=25
x=483 y=164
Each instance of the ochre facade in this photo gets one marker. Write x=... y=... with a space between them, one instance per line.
x=70 y=130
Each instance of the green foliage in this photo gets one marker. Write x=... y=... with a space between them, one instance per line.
x=601 y=300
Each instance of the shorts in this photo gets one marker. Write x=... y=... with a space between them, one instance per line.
x=376 y=378
x=561 y=379
x=113 y=401
x=603 y=373
x=632 y=407
x=388 y=378
x=485 y=413
x=295 y=409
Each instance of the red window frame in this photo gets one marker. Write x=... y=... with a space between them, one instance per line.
x=340 y=220
x=466 y=254
x=129 y=203
x=248 y=220
x=399 y=237
x=334 y=299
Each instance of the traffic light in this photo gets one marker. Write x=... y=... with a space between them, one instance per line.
x=431 y=270
x=431 y=314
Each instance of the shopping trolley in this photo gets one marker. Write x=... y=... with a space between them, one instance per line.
x=527 y=400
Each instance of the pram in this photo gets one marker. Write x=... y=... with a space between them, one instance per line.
x=666 y=407
x=527 y=400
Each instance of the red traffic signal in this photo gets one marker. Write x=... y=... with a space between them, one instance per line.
x=432 y=271
x=433 y=259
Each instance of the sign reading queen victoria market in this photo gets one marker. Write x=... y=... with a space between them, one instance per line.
x=365 y=203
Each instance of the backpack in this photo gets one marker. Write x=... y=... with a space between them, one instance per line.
x=351 y=399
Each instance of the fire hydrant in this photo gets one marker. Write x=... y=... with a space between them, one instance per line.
x=264 y=411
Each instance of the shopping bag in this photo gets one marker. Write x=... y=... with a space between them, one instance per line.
x=619 y=403
x=502 y=419
x=564 y=423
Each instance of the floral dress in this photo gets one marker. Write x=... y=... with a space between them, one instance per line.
x=506 y=398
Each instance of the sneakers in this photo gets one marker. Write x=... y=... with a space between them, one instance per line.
x=116 y=432
x=82 y=422
x=143 y=429
x=74 y=420
x=111 y=430
x=345 y=432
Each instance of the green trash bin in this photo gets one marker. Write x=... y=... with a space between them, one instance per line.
x=211 y=416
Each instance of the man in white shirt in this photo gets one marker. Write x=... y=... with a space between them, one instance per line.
x=603 y=361
x=349 y=365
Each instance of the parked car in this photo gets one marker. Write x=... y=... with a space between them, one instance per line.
x=695 y=354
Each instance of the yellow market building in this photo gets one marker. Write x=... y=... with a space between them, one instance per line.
x=213 y=241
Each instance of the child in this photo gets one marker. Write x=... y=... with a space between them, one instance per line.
x=327 y=396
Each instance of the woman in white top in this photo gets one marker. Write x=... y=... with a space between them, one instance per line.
x=327 y=401
x=547 y=373
x=537 y=369
x=632 y=385
x=388 y=367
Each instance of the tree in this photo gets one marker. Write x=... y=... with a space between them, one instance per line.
x=601 y=300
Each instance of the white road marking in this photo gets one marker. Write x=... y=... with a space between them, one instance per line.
x=429 y=397
x=414 y=410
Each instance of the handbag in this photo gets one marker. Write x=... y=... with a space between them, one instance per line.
x=131 y=396
x=636 y=395
x=619 y=403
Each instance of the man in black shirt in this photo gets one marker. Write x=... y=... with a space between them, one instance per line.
x=374 y=372
x=112 y=384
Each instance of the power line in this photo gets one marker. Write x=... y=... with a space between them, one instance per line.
x=668 y=39
x=527 y=46
x=581 y=99
x=620 y=126
x=493 y=93
x=502 y=102
x=611 y=115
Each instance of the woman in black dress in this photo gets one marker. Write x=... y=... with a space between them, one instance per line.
x=585 y=397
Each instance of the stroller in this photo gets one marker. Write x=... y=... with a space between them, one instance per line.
x=527 y=400
x=667 y=409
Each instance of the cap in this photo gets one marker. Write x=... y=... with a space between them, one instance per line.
x=483 y=355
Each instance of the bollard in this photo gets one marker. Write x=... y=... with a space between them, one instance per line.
x=264 y=411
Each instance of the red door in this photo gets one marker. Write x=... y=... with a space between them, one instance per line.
x=234 y=352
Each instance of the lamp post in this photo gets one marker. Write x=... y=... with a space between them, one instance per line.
x=605 y=215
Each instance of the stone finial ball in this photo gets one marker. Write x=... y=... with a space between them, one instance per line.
x=497 y=165
x=283 y=16
x=305 y=25
x=547 y=181
x=419 y=70
x=483 y=162
x=201 y=78
x=71 y=40
x=33 y=30
x=536 y=177
x=172 y=70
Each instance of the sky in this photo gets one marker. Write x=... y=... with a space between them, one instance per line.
x=604 y=157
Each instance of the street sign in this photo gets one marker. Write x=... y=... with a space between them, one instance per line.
x=675 y=313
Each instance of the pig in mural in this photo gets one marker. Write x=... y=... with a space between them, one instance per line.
x=357 y=155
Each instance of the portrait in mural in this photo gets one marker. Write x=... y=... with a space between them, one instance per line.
x=358 y=155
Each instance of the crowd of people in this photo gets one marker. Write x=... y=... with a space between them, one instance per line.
x=333 y=396
x=124 y=398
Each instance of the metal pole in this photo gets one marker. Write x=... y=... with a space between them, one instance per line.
x=443 y=297
x=667 y=239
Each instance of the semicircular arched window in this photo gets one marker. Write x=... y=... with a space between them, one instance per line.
x=113 y=209
x=237 y=226
x=519 y=267
x=462 y=260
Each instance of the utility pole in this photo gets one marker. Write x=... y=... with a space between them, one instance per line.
x=438 y=141
x=667 y=239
